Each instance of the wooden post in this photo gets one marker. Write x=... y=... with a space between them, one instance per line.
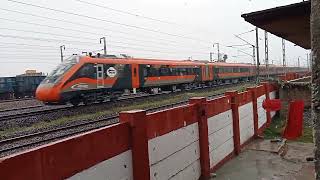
x=139 y=143
x=235 y=119
x=203 y=135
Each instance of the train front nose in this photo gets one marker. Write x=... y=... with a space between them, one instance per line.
x=47 y=93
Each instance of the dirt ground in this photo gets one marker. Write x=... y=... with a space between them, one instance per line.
x=265 y=160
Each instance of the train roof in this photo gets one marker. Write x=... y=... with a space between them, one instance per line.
x=160 y=61
x=165 y=62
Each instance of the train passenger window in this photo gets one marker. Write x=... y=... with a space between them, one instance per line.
x=145 y=72
x=173 y=71
x=164 y=71
x=235 y=70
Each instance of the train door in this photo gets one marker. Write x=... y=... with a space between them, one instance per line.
x=207 y=74
x=135 y=77
x=100 y=76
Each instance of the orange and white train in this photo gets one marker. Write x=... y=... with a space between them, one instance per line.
x=98 y=78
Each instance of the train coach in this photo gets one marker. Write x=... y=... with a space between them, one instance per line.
x=89 y=79
x=19 y=86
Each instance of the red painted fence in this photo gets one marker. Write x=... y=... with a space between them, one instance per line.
x=186 y=142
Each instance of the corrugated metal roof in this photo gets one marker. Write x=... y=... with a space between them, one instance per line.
x=291 y=22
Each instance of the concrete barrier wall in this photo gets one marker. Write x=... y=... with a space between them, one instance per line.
x=186 y=142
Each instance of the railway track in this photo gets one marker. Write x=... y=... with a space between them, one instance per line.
x=10 y=145
x=19 y=108
x=18 y=143
x=15 y=100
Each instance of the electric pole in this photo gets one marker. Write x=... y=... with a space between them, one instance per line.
x=211 y=56
x=284 y=56
x=104 y=45
x=63 y=47
x=258 y=58
x=298 y=62
x=218 y=47
x=266 y=52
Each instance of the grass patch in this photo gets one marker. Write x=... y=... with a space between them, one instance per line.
x=151 y=103
x=307 y=136
x=277 y=127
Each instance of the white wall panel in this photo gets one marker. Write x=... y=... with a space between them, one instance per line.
x=245 y=110
x=260 y=100
x=115 y=168
x=246 y=134
x=221 y=152
x=219 y=121
x=218 y=138
x=262 y=117
x=246 y=122
x=192 y=172
x=163 y=146
x=172 y=165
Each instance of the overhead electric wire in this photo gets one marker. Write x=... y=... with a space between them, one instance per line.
x=58 y=28
x=108 y=21
x=41 y=46
x=77 y=42
x=136 y=15
x=98 y=27
x=128 y=13
x=45 y=39
x=88 y=38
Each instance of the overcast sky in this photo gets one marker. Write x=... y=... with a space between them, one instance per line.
x=30 y=36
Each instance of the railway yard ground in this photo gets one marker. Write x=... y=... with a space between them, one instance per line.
x=20 y=133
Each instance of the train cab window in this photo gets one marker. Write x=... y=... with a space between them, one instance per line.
x=87 y=70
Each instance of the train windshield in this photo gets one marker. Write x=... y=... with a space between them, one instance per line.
x=61 y=69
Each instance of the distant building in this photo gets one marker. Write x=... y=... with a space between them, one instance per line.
x=32 y=72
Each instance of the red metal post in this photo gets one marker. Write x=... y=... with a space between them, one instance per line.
x=267 y=91
x=139 y=143
x=235 y=118
x=253 y=91
x=203 y=135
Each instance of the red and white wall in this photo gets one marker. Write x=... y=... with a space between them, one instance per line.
x=186 y=142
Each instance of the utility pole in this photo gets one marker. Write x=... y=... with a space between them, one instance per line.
x=63 y=47
x=104 y=45
x=266 y=50
x=211 y=53
x=298 y=62
x=284 y=56
x=308 y=63
x=315 y=86
x=218 y=47
x=258 y=57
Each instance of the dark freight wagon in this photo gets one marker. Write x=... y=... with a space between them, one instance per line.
x=19 y=87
